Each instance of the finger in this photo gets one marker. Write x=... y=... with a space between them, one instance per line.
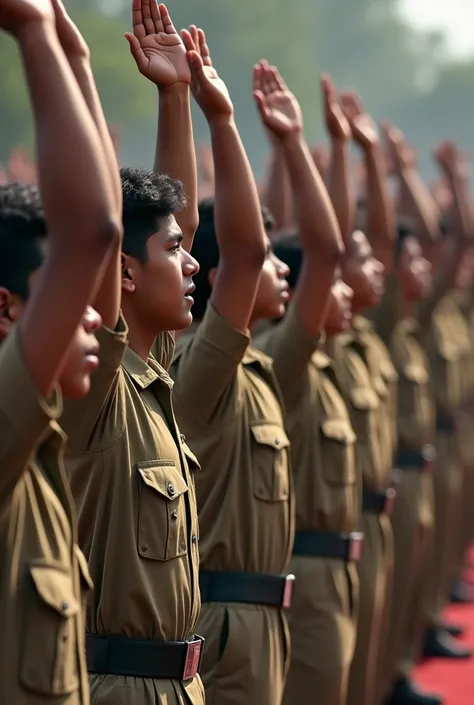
x=259 y=99
x=189 y=45
x=205 y=53
x=266 y=82
x=195 y=36
x=195 y=65
x=278 y=81
x=256 y=78
x=167 y=21
x=137 y=19
x=156 y=17
x=136 y=51
x=147 y=18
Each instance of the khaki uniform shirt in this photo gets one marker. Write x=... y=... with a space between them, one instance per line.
x=228 y=404
x=43 y=576
x=384 y=381
x=328 y=496
x=445 y=338
x=416 y=405
x=132 y=478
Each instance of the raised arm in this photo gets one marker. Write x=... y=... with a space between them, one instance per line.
x=380 y=215
x=76 y=188
x=161 y=57
x=415 y=200
x=237 y=215
x=316 y=221
x=339 y=182
x=108 y=297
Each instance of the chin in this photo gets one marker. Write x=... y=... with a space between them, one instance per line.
x=76 y=389
x=182 y=322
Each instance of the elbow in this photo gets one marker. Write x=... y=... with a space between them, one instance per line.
x=106 y=233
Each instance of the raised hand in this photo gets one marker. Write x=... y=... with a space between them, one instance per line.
x=279 y=110
x=72 y=41
x=400 y=155
x=364 y=129
x=209 y=91
x=15 y=14
x=451 y=160
x=337 y=123
x=156 y=45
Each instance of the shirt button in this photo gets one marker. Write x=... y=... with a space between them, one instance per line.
x=171 y=490
x=65 y=605
x=277 y=442
x=195 y=538
x=183 y=438
x=144 y=548
x=174 y=514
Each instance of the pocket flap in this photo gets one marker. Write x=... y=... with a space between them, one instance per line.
x=55 y=587
x=193 y=462
x=270 y=434
x=83 y=568
x=416 y=373
x=163 y=477
x=338 y=430
x=388 y=371
x=364 y=399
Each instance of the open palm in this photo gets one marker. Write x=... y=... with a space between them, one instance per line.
x=278 y=107
x=156 y=45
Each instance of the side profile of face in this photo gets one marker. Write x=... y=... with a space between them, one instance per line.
x=414 y=271
x=158 y=292
x=272 y=293
x=363 y=273
x=339 y=312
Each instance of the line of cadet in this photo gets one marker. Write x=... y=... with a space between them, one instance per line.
x=328 y=457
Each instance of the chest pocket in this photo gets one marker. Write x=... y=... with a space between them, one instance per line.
x=338 y=452
x=364 y=403
x=162 y=522
x=271 y=482
x=49 y=664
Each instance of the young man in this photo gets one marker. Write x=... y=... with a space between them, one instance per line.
x=50 y=349
x=131 y=471
x=323 y=614
x=229 y=406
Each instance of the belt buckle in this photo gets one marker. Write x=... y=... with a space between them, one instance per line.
x=390 y=497
x=193 y=657
x=288 y=591
x=354 y=551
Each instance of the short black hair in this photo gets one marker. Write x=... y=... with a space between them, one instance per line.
x=287 y=247
x=206 y=251
x=22 y=232
x=148 y=198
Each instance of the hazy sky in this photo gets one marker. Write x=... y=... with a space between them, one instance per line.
x=456 y=17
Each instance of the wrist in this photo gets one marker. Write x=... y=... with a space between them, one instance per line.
x=291 y=139
x=44 y=29
x=220 y=120
x=178 y=88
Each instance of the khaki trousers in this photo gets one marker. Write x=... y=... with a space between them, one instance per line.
x=323 y=628
x=246 y=654
x=413 y=526
x=124 y=690
x=375 y=577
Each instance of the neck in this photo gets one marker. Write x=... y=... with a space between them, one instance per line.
x=140 y=338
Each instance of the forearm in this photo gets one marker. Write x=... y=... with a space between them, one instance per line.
x=380 y=215
x=175 y=153
x=238 y=218
x=317 y=222
x=278 y=194
x=74 y=180
x=339 y=187
x=416 y=202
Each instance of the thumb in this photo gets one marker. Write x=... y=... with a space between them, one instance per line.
x=261 y=105
x=136 y=50
x=195 y=64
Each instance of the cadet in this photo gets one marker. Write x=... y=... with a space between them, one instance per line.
x=441 y=340
x=130 y=470
x=412 y=518
x=328 y=495
x=229 y=406
x=49 y=351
